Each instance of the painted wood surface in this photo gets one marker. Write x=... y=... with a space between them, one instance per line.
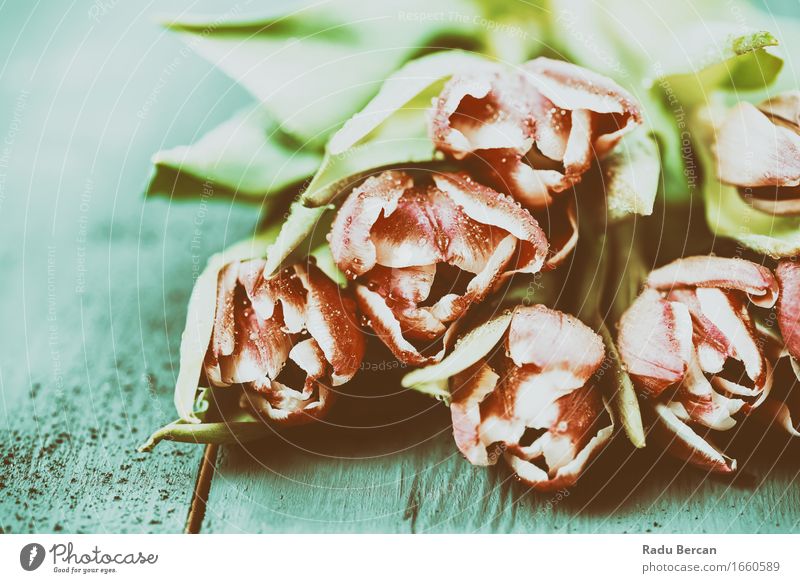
x=95 y=279
x=95 y=284
x=386 y=462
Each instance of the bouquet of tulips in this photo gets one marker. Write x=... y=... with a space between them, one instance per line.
x=499 y=196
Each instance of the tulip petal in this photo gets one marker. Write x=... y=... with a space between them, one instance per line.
x=351 y=244
x=331 y=321
x=488 y=207
x=408 y=237
x=784 y=106
x=409 y=284
x=753 y=151
x=655 y=342
x=576 y=434
x=682 y=442
x=223 y=333
x=788 y=275
x=552 y=340
x=286 y=406
x=702 y=404
x=385 y=324
x=309 y=356
x=734 y=323
x=571 y=87
x=482 y=112
x=722 y=272
x=470 y=387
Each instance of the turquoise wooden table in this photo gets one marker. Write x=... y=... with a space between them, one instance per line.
x=95 y=284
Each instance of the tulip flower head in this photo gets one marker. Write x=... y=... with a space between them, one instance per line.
x=296 y=326
x=758 y=151
x=691 y=347
x=535 y=402
x=422 y=250
x=532 y=131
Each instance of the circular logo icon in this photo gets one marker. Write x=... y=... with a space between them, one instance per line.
x=31 y=556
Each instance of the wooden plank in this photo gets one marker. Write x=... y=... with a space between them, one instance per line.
x=407 y=476
x=95 y=279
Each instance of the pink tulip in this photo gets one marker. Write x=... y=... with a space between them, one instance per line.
x=692 y=350
x=533 y=131
x=261 y=324
x=534 y=402
x=758 y=150
x=422 y=250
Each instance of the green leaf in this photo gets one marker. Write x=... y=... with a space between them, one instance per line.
x=247 y=155
x=468 y=350
x=299 y=225
x=392 y=129
x=631 y=175
x=624 y=402
x=314 y=67
x=728 y=62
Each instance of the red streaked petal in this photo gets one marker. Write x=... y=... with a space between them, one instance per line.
x=788 y=275
x=309 y=356
x=573 y=87
x=351 y=243
x=470 y=387
x=410 y=284
x=385 y=324
x=480 y=112
x=286 y=406
x=408 y=237
x=488 y=207
x=223 y=336
x=702 y=404
x=331 y=321
x=681 y=441
x=577 y=434
x=655 y=342
x=552 y=340
x=753 y=151
x=722 y=272
x=784 y=106
x=733 y=322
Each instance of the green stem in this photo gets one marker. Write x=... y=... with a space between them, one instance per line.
x=599 y=272
x=219 y=433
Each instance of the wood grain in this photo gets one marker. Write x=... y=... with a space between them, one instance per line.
x=95 y=278
x=407 y=476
